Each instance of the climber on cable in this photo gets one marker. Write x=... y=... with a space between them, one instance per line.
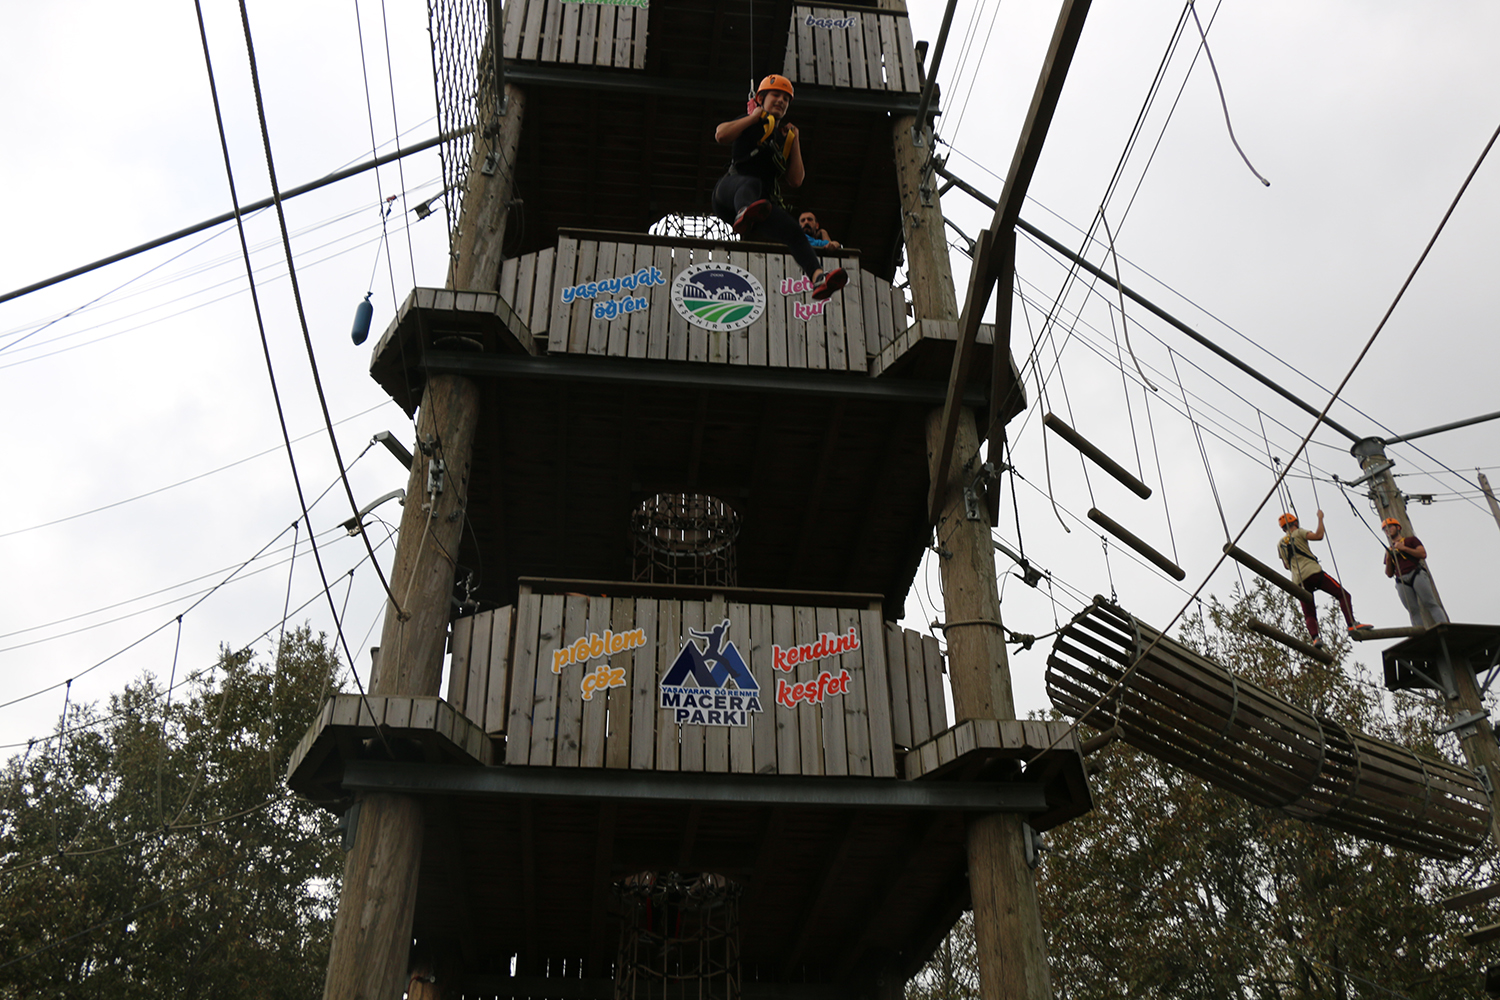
x=765 y=153
x=1297 y=557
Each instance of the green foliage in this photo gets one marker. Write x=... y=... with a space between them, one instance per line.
x=178 y=816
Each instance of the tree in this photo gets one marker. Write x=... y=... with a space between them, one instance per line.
x=152 y=849
x=1171 y=888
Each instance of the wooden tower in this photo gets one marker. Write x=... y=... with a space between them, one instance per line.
x=762 y=728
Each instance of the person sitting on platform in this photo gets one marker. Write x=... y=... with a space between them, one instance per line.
x=1297 y=557
x=1403 y=560
x=764 y=152
x=816 y=234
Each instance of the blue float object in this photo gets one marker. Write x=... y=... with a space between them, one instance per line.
x=363 y=313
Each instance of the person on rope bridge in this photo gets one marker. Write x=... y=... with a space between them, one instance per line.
x=1403 y=560
x=816 y=234
x=1305 y=570
x=764 y=153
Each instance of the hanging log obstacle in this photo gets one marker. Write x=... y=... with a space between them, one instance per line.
x=1290 y=641
x=1115 y=528
x=1055 y=424
x=1259 y=568
x=1111 y=670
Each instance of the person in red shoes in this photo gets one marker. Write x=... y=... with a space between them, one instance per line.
x=764 y=153
x=1297 y=557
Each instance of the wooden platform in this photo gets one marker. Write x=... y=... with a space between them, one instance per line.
x=1422 y=660
x=428 y=728
x=841 y=859
x=852 y=47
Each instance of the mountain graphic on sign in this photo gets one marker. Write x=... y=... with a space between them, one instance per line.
x=727 y=666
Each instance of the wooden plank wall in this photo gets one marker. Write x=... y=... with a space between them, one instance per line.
x=581 y=34
x=894 y=701
x=479 y=672
x=867 y=50
x=855 y=325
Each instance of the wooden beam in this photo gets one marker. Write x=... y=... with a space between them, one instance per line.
x=1125 y=535
x=1290 y=641
x=988 y=264
x=1253 y=564
x=818 y=897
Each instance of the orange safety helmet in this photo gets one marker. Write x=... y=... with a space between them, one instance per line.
x=776 y=82
x=1388 y=522
x=1286 y=520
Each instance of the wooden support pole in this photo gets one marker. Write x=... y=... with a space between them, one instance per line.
x=1058 y=426
x=1292 y=642
x=990 y=266
x=1489 y=496
x=928 y=268
x=369 y=953
x=1011 y=947
x=1253 y=564
x=1477 y=738
x=372 y=932
x=1114 y=527
x=478 y=248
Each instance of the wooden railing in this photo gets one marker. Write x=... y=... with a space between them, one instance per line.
x=641 y=321
x=853 y=47
x=582 y=34
x=579 y=681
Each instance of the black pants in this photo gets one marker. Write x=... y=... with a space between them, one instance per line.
x=735 y=191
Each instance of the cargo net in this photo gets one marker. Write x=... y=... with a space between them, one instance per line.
x=1188 y=711
x=680 y=939
x=684 y=538
x=464 y=78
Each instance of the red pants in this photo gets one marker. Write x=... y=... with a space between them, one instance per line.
x=1328 y=585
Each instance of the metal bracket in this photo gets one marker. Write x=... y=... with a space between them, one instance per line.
x=1484 y=779
x=348 y=825
x=435 y=471
x=1035 y=845
x=1464 y=725
x=491 y=163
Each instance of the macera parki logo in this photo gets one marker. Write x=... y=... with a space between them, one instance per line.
x=718 y=297
x=698 y=686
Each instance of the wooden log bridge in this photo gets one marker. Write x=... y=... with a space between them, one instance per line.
x=1125 y=535
x=1109 y=669
x=1259 y=568
x=1056 y=425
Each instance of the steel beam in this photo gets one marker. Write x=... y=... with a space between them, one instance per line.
x=580 y=784
x=671 y=375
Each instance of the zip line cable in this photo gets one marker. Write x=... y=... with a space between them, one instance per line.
x=1301 y=448
x=194 y=479
x=168 y=622
x=296 y=297
x=317 y=595
x=324 y=181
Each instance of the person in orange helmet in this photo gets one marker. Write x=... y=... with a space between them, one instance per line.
x=764 y=152
x=1298 y=558
x=1404 y=562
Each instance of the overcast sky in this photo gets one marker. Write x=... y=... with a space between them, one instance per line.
x=143 y=422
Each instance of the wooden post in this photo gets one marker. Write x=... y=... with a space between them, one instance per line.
x=928 y=268
x=1478 y=738
x=479 y=242
x=1489 y=496
x=369 y=953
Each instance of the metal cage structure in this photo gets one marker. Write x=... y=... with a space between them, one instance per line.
x=685 y=538
x=680 y=939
